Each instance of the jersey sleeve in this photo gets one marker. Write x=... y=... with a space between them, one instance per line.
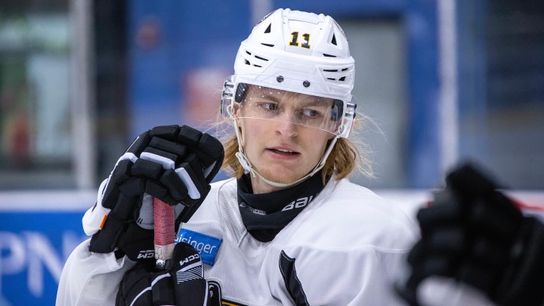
x=90 y=278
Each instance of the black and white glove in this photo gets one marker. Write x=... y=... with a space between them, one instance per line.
x=474 y=234
x=181 y=284
x=172 y=163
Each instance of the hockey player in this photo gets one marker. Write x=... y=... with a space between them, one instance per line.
x=289 y=229
x=476 y=241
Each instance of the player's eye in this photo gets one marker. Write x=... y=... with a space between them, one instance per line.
x=310 y=113
x=268 y=106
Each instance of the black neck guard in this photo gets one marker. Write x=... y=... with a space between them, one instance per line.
x=266 y=214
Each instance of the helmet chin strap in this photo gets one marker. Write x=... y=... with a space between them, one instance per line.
x=249 y=168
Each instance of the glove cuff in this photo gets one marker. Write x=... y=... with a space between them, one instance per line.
x=94 y=216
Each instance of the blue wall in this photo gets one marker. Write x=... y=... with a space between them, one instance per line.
x=192 y=34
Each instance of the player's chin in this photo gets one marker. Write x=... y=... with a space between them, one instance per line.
x=283 y=174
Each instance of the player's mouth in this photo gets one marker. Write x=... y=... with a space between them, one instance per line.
x=283 y=153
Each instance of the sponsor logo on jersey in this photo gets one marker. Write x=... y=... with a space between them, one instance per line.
x=207 y=246
x=298 y=203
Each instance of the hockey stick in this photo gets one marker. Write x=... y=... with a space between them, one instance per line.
x=164 y=232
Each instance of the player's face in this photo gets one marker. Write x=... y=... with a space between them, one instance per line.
x=281 y=145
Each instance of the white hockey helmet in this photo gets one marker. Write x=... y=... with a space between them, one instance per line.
x=298 y=52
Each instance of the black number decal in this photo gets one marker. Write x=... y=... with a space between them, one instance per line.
x=305 y=38
x=294 y=38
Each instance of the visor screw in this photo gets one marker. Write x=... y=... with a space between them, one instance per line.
x=279 y=78
x=306 y=83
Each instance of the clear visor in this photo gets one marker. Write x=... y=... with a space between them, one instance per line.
x=302 y=110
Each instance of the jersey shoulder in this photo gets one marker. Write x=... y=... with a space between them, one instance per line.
x=351 y=216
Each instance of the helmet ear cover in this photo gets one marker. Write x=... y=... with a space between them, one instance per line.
x=241 y=92
x=337 y=110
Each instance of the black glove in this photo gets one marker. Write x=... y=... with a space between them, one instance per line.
x=474 y=234
x=172 y=163
x=181 y=284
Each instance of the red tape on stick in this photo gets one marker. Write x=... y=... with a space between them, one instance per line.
x=165 y=232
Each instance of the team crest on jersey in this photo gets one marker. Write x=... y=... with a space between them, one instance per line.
x=215 y=298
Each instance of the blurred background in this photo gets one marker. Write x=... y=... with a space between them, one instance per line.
x=442 y=80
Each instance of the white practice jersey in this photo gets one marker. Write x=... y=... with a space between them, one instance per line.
x=345 y=248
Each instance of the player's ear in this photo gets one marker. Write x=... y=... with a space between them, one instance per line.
x=240 y=130
x=237 y=110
